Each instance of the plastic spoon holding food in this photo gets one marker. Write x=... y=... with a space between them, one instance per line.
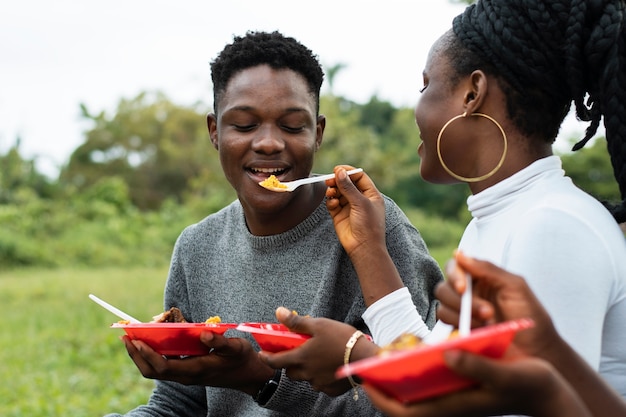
x=273 y=184
x=119 y=313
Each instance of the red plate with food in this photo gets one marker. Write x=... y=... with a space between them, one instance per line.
x=420 y=372
x=273 y=337
x=173 y=339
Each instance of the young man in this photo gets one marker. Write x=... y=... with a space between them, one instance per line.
x=268 y=249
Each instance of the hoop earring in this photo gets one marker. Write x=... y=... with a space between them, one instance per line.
x=470 y=179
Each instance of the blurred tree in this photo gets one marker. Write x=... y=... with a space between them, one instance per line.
x=345 y=140
x=377 y=114
x=19 y=178
x=156 y=147
x=590 y=168
x=331 y=73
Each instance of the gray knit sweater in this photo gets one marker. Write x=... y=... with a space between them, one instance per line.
x=219 y=268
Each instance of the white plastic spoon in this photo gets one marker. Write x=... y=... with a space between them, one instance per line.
x=114 y=310
x=292 y=185
x=442 y=331
x=465 y=316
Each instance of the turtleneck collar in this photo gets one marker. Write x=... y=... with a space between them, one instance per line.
x=505 y=193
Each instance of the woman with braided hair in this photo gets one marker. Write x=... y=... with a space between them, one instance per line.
x=497 y=88
x=513 y=68
x=554 y=54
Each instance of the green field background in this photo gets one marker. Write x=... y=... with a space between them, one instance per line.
x=59 y=357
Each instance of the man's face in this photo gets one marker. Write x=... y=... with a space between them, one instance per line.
x=266 y=125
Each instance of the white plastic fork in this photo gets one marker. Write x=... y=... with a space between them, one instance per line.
x=292 y=185
x=442 y=331
x=119 y=313
x=465 y=316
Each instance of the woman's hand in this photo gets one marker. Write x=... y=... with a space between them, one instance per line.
x=497 y=295
x=357 y=209
x=317 y=359
x=526 y=385
x=358 y=212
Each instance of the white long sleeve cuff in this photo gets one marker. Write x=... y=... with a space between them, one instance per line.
x=392 y=316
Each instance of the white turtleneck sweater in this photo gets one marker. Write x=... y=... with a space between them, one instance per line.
x=537 y=224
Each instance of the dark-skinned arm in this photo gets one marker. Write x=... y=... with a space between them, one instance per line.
x=358 y=212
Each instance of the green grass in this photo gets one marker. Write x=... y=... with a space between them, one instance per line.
x=58 y=355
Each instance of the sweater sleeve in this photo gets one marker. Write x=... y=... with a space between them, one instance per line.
x=296 y=398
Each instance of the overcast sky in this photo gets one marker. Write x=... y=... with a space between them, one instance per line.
x=57 y=54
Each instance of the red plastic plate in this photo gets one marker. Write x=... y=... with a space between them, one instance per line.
x=173 y=339
x=415 y=374
x=273 y=337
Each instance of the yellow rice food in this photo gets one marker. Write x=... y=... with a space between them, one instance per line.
x=408 y=341
x=272 y=182
x=213 y=320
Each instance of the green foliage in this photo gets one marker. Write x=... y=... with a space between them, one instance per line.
x=377 y=115
x=99 y=227
x=157 y=147
x=19 y=179
x=441 y=234
x=590 y=169
x=345 y=142
x=59 y=357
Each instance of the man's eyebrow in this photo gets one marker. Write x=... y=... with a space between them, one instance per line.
x=240 y=108
x=297 y=109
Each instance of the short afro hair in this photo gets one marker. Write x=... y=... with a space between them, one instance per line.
x=259 y=48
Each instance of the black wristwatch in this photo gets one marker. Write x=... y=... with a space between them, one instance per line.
x=265 y=393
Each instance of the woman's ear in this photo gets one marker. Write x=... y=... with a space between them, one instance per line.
x=211 y=123
x=476 y=91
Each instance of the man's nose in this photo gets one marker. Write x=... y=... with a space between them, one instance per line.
x=268 y=140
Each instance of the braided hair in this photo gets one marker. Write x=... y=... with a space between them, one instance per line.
x=546 y=54
x=273 y=49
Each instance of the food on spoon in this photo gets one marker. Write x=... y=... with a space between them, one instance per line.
x=173 y=315
x=272 y=182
